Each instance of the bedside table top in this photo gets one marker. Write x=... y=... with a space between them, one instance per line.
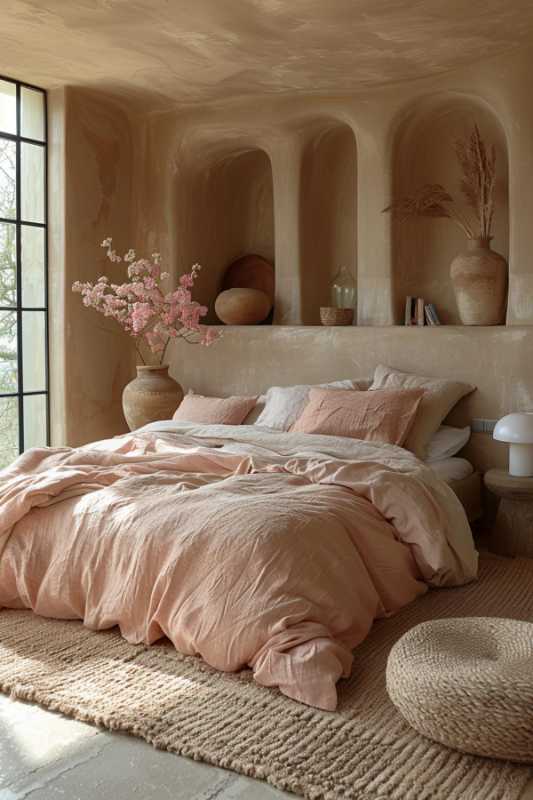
x=501 y=483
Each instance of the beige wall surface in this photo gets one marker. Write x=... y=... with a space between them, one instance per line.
x=247 y=360
x=402 y=136
x=90 y=358
x=204 y=185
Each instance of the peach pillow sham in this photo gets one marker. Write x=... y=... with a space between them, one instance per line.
x=379 y=416
x=214 y=410
x=440 y=396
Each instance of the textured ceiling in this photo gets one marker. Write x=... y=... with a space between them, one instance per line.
x=196 y=51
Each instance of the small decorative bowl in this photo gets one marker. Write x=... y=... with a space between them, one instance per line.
x=331 y=315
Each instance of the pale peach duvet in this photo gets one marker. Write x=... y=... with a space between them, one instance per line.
x=241 y=545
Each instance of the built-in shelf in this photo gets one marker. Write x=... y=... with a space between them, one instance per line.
x=328 y=213
x=423 y=249
x=226 y=199
x=228 y=207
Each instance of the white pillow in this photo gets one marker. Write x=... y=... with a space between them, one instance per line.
x=284 y=404
x=447 y=442
x=452 y=469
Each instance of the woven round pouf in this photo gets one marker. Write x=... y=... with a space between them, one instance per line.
x=468 y=684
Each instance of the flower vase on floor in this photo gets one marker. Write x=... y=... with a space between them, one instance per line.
x=144 y=308
x=153 y=395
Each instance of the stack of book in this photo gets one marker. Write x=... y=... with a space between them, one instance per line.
x=417 y=312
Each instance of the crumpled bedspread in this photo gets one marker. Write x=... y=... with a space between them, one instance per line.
x=242 y=545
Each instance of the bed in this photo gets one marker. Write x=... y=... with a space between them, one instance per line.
x=464 y=480
x=242 y=545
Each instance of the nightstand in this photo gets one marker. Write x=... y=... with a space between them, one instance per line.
x=512 y=534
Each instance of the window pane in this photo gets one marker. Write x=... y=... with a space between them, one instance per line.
x=32 y=182
x=8 y=352
x=8 y=264
x=8 y=107
x=9 y=430
x=22 y=269
x=32 y=114
x=33 y=351
x=8 y=180
x=33 y=271
x=34 y=421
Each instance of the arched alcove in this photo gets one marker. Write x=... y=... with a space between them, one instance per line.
x=423 y=153
x=328 y=213
x=226 y=210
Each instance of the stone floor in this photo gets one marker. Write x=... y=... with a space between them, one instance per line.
x=44 y=756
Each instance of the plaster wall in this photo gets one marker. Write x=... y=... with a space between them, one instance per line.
x=90 y=192
x=402 y=135
x=168 y=53
x=247 y=360
x=202 y=185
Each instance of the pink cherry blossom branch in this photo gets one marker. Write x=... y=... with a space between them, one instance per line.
x=143 y=308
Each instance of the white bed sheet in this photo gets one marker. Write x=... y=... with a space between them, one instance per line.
x=451 y=469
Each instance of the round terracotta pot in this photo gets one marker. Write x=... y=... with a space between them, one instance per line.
x=479 y=278
x=151 y=396
x=242 y=306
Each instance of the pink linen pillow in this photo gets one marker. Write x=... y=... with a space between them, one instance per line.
x=379 y=416
x=214 y=410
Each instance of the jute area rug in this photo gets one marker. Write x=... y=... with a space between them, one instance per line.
x=363 y=751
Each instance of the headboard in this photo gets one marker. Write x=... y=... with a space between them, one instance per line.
x=247 y=360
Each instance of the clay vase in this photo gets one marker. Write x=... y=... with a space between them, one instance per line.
x=151 y=396
x=242 y=306
x=479 y=278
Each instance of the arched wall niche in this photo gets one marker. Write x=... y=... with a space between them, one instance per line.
x=328 y=212
x=225 y=209
x=423 y=152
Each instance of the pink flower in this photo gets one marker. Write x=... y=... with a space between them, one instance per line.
x=187 y=281
x=141 y=314
x=140 y=307
x=209 y=336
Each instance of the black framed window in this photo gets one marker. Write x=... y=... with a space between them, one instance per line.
x=24 y=403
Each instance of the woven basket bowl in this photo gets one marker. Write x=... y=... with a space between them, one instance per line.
x=331 y=315
x=468 y=684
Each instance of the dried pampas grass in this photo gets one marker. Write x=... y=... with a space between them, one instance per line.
x=478 y=182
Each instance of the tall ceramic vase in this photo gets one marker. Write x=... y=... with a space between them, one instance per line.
x=479 y=278
x=151 y=396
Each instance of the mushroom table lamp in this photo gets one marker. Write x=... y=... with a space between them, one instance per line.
x=517 y=429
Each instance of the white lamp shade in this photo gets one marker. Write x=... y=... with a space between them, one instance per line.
x=517 y=429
